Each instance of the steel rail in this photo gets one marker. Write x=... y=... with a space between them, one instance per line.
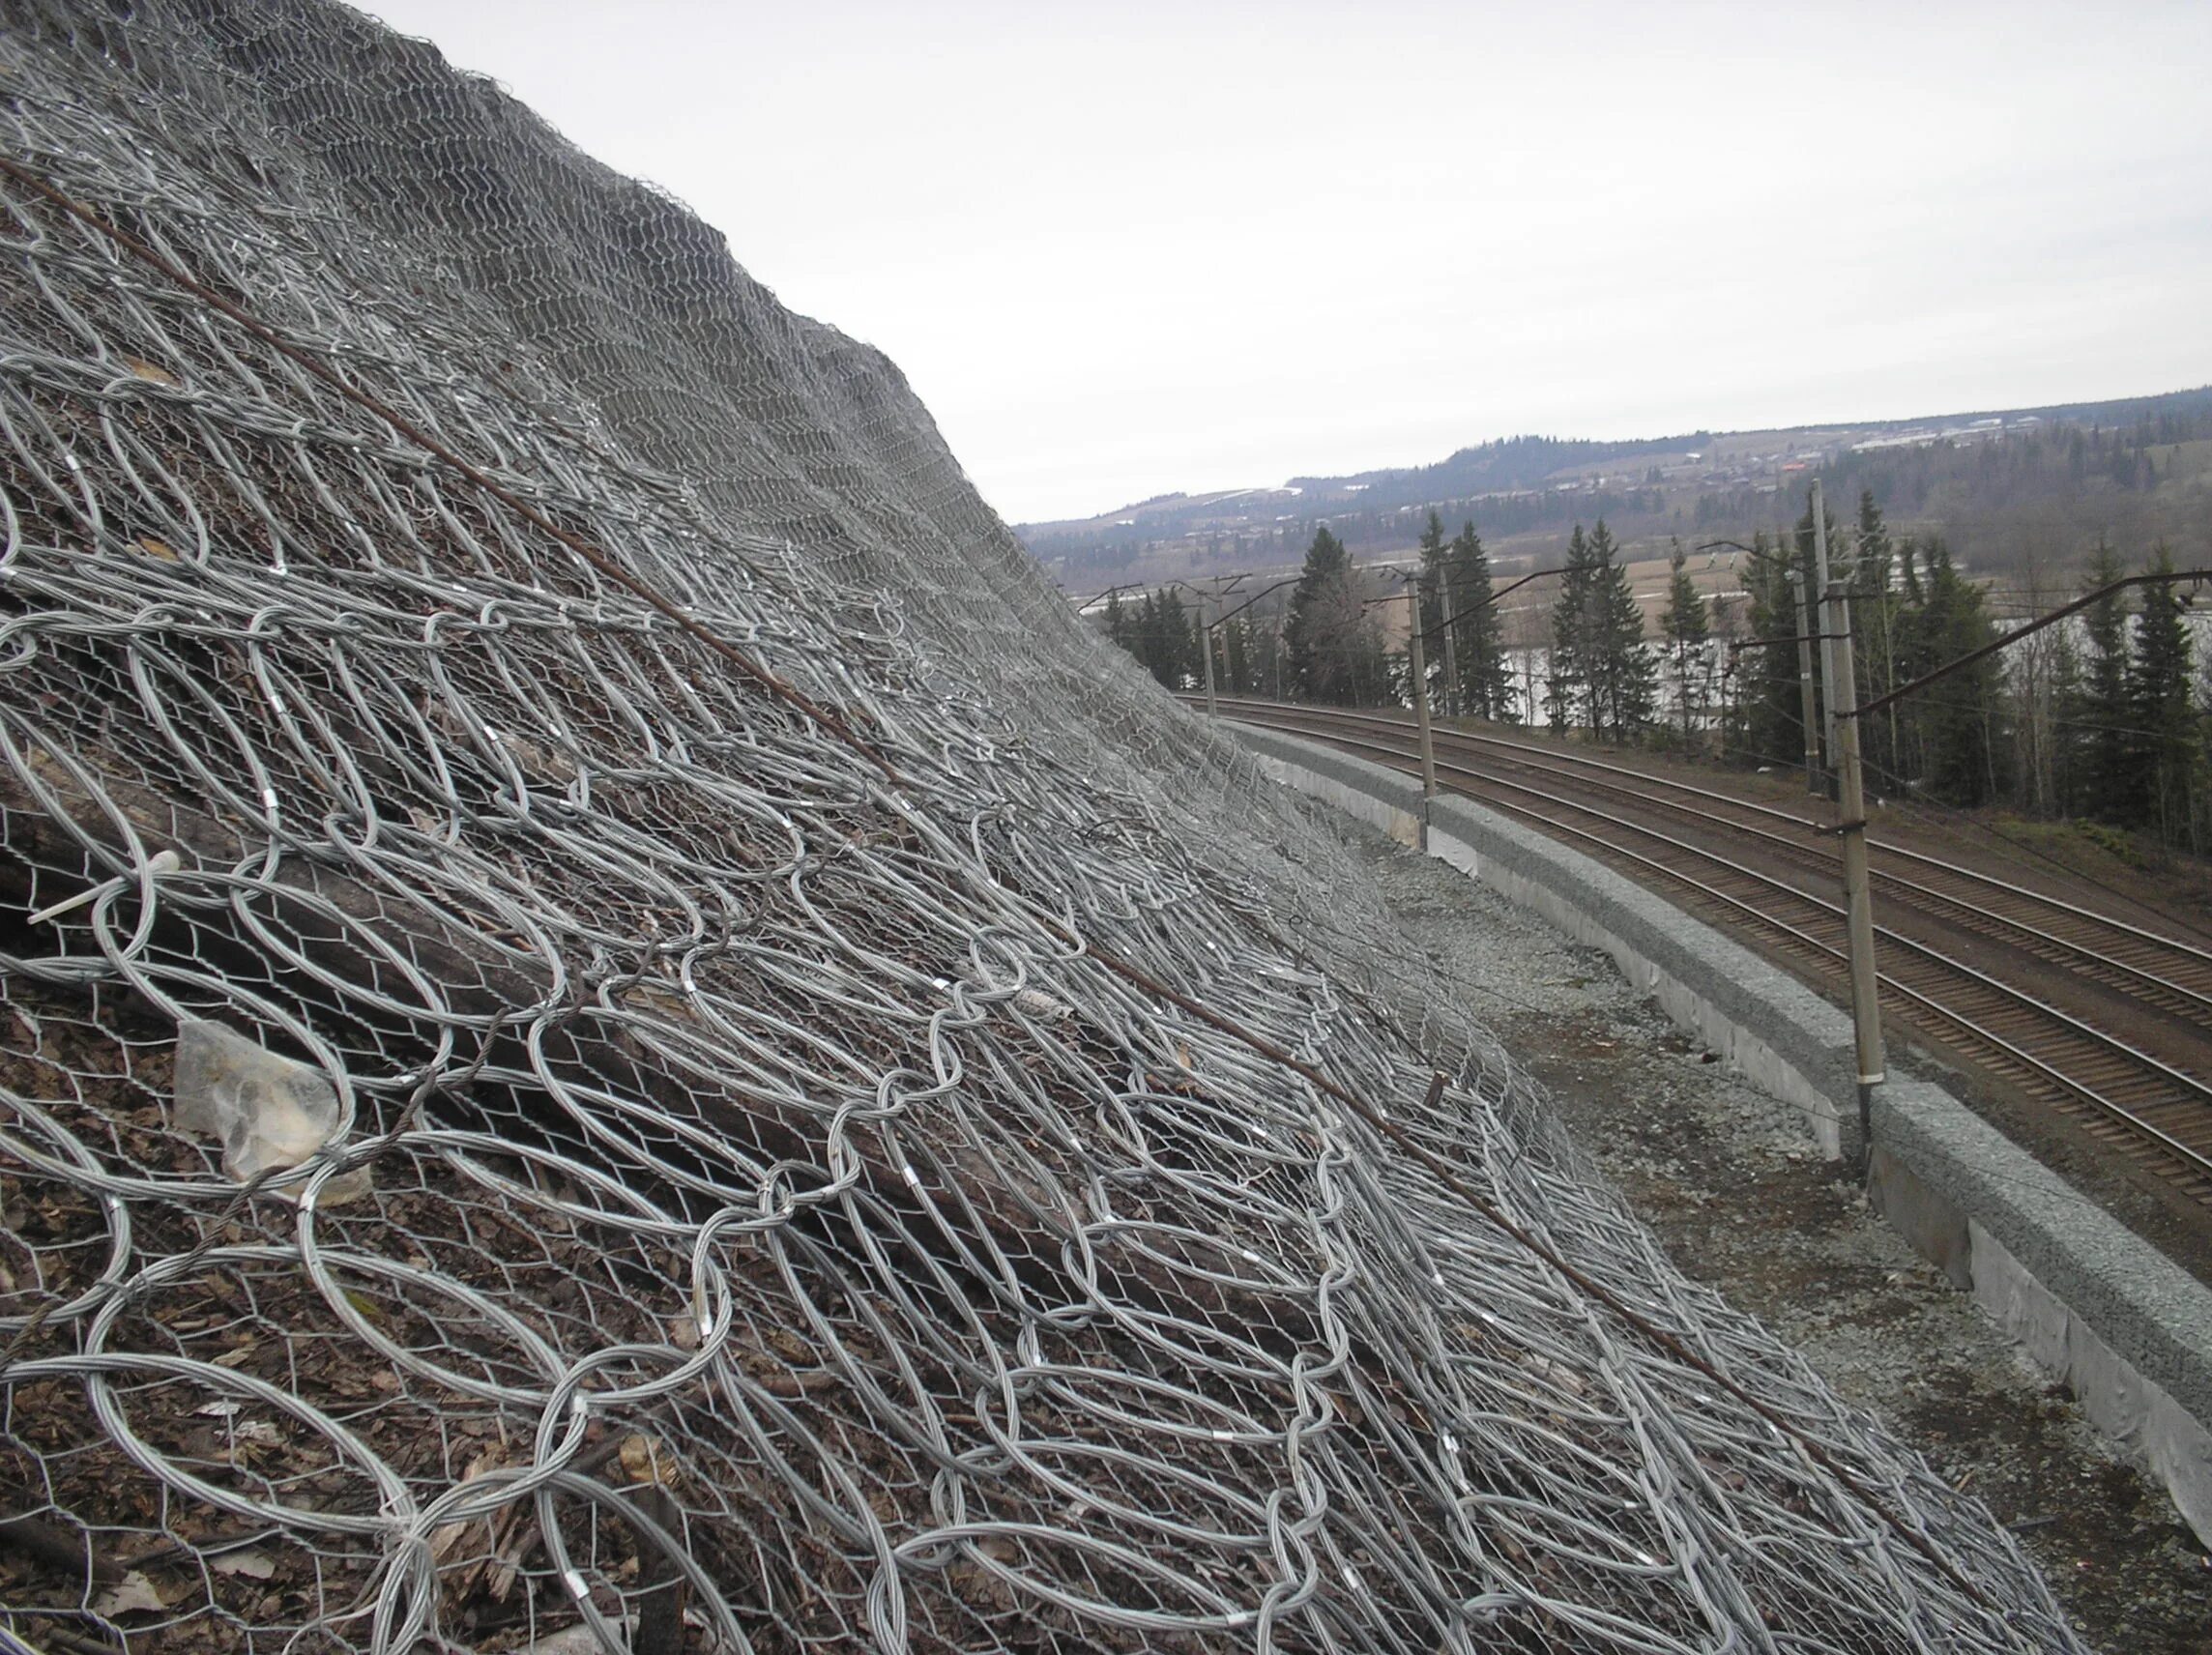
x=2045 y=944
x=1550 y=759
x=1972 y=876
x=2193 y=1004
x=2198 y=1162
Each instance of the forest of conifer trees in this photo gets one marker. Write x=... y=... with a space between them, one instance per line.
x=2105 y=718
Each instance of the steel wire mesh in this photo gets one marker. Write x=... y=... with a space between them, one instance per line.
x=755 y=1219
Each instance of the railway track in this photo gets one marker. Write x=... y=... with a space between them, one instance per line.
x=2106 y=1021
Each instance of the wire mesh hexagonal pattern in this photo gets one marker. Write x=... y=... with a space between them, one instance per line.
x=832 y=1115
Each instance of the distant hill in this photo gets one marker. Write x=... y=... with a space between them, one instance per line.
x=1507 y=464
x=2004 y=486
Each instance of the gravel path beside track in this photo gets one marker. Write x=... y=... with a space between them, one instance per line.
x=1726 y=1178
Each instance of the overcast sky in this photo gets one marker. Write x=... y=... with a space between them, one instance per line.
x=1121 y=248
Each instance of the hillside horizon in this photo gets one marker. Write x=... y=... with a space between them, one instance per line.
x=2002 y=483
x=2111 y=410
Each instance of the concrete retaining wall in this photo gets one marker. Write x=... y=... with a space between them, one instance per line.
x=2127 y=1329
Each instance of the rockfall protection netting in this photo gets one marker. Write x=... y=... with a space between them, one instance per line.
x=512 y=1133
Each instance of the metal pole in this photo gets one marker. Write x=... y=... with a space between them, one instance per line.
x=1420 y=664
x=1205 y=639
x=1827 y=641
x=1452 y=708
x=1858 y=898
x=1805 y=680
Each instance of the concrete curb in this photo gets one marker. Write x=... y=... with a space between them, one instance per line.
x=2128 y=1331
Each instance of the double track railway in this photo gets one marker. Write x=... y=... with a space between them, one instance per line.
x=2104 y=1019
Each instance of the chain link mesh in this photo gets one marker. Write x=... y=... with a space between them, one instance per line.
x=755 y=1219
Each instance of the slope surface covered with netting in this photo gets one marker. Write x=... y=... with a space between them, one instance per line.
x=617 y=1033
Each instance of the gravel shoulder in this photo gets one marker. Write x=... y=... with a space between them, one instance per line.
x=1726 y=1176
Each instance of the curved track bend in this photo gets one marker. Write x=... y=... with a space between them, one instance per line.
x=2104 y=1019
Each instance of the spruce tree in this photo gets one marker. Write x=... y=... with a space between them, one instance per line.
x=1686 y=627
x=1176 y=659
x=2110 y=786
x=1429 y=603
x=1432 y=546
x=1332 y=652
x=1624 y=677
x=1918 y=652
x=1958 y=717
x=1144 y=635
x=1601 y=673
x=1629 y=673
x=2163 y=715
x=2065 y=694
x=1567 y=695
x=1772 y=716
x=1478 y=635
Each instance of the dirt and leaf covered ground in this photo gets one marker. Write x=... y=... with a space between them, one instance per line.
x=1729 y=1180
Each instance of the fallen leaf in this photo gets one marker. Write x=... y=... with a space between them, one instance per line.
x=145 y=370
x=446 y=1539
x=646 y=1461
x=253 y=1565
x=131 y=1595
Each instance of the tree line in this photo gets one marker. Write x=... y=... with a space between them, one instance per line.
x=1951 y=479
x=2107 y=718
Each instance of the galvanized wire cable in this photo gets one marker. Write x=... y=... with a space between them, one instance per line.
x=756 y=1209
